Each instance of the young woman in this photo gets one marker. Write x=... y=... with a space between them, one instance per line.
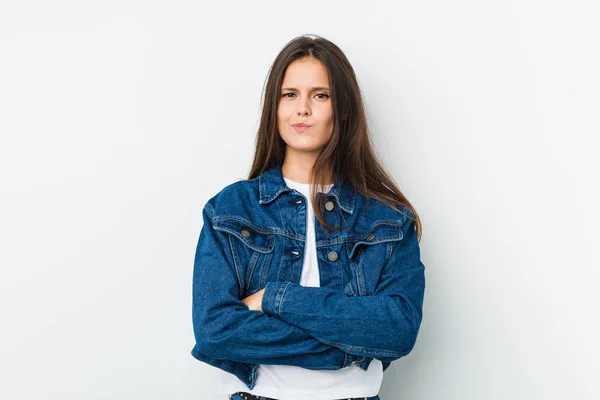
x=307 y=279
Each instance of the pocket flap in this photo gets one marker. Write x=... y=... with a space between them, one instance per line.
x=380 y=232
x=258 y=239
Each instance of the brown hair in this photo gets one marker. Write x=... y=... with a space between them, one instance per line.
x=349 y=154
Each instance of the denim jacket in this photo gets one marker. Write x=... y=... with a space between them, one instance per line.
x=372 y=282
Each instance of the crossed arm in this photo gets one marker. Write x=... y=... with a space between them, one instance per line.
x=297 y=325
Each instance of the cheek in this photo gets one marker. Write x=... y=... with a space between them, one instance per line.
x=327 y=115
x=283 y=111
x=326 y=111
x=283 y=119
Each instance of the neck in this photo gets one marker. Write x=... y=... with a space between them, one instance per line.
x=298 y=165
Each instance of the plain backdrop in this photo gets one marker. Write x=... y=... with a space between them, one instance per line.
x=120 y=119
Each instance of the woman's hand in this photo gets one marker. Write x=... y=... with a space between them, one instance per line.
x=254 y=301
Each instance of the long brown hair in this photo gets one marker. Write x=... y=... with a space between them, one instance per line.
x=349 y=154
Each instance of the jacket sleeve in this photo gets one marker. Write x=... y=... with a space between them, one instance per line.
x=225 y=328
x=383 y=325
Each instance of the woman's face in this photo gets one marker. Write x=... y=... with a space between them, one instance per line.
x=305 y=98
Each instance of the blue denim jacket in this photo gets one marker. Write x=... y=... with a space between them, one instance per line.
x=372 y=282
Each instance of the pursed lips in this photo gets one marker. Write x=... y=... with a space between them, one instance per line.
x=300 y=127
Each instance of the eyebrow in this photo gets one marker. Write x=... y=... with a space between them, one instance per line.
x=312 y=89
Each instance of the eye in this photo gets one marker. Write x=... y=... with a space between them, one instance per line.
x=323 y=94
x=285 y=94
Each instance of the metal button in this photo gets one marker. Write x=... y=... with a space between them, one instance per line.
x=246 y=233
x=295 y=252
x=370 y=237
x=298 y=201
x=329 y=206
x=332 y=256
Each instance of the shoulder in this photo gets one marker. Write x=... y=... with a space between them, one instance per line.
x=233 y=197
x=375 y=209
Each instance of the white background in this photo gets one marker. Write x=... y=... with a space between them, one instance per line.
x=119 y=119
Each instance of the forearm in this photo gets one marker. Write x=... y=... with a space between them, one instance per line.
x=379 y=326
x=238 y=334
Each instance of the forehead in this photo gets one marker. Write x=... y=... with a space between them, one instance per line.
x=306 y=72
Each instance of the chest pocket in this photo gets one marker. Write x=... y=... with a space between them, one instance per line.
x=252 y=250
x=257 y=239
x=368 y=254
x=380 y=232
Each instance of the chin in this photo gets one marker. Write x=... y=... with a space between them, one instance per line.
x=303 y=149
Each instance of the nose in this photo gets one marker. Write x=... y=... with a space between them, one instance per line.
x=303 y=108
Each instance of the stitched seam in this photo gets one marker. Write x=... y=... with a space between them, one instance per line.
x=282 y=296
x=372 y=353
x=360 y=278
x=253 y=264
x=226 y=218
x=236 y=265
x=260 y=249
x=209 y=210
x=279 y=231
x=264 y=269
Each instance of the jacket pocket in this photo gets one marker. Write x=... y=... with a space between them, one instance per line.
x=368 y=254
x=252 y=249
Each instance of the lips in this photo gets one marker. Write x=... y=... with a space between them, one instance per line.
x=300 y=127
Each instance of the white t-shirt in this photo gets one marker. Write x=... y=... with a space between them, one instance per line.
x=289 y=382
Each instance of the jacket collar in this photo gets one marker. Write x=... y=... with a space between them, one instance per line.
x=271 y=184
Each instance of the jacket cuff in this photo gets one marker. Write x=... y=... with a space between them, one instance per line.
x=273 y=298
